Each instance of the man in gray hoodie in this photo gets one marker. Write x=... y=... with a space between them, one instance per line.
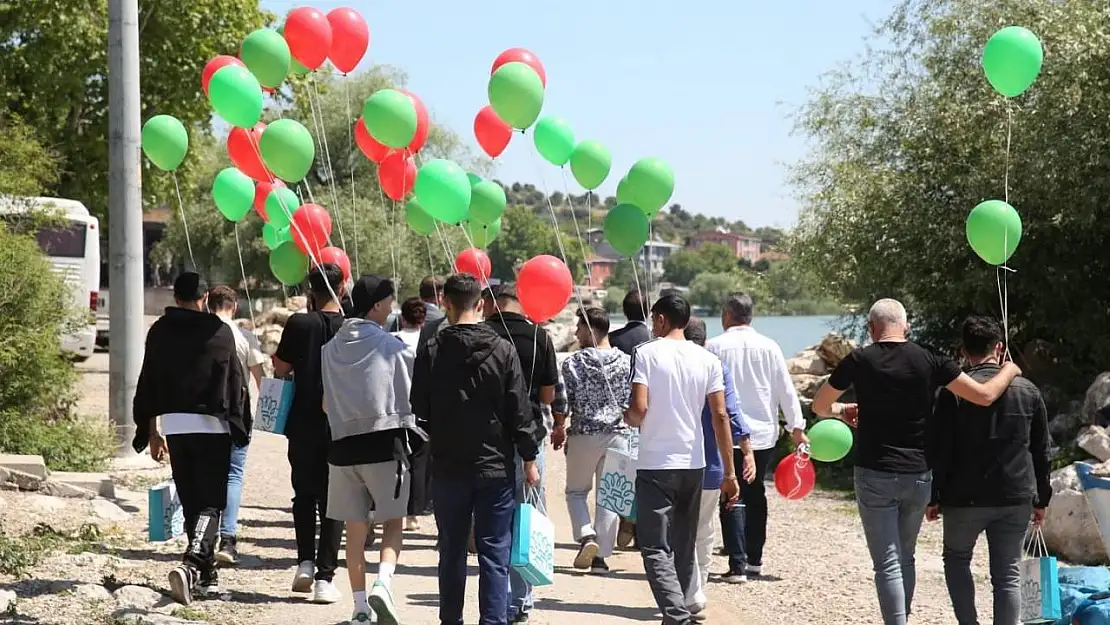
x=367 y=373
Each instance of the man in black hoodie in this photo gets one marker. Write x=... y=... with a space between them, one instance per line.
x=469 y=394
x=990 y=473
x=192 y=379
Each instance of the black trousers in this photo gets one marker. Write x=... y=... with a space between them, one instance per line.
x=200 y=463
x=308 y=461
x=754 y=496
x=420 y=491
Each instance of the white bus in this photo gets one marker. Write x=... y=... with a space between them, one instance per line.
x=73 y=248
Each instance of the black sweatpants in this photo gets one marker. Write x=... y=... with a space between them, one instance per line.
x=754 y=496
x=420 y=491
x=308 y=461
x=200 y=463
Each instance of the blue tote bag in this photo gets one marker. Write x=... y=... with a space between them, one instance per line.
x=533 y=553
x=1040 y=581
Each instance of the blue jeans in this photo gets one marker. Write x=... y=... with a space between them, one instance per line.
x=1005 y=528
x=234 y=490
x=519 y=588
x=891 y=508
x=732 y=533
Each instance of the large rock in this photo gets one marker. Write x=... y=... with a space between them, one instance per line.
x=833 y=348
x=1065 y=425
x=1097 y=397
x=139 y=597
x=1094 y=440
x=1070 y=530
x=275 y=316
x=562 y=336
x=269 y=336
x=807 y=362
x=297 y=303
x=132 y=616
x=92 y=592
x=807 y=385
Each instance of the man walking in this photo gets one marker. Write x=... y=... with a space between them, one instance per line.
x=307 y=430
x=763 y=388
x=596 y=382
x=635 y=330
x=991 y=469
x=224 y=303
x=895 y=382
x=711 y=488
x=192 y=380
x=671 y=380
x=367 y=373
x=469 y=393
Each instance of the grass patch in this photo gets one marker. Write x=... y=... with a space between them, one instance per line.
x=65 y=443
x=189 y=613
x=20 y=554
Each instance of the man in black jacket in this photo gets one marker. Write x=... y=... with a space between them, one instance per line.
x=635 y=331
x=192 y=379
x=469 y=394
x=990 y=473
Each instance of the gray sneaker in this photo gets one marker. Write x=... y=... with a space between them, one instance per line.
x=381 y=602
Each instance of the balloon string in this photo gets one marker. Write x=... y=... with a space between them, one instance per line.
x=649 y=254
x=447 y=250
x=317 y=111
x=393 y=239
x=636 y=278
x=246 y=282
x=312 y=198
x=577 y=231
x=1001 y=272
x=431 y=261
x=184 y=222
x=1009 y=137
x=352 y=157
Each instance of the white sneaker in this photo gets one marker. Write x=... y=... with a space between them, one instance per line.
x=733 y=577
x=325 y=592
x=361 y=618
x=381 y=602
x=302 y=581
x=754 y=570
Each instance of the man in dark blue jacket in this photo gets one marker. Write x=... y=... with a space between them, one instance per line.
x=990 y=474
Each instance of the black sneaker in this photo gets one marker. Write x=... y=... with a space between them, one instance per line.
x=182 y=581
x=228 y=553
x=587 y=552
x=208 y=585
x=522 y=617
x=599 y=567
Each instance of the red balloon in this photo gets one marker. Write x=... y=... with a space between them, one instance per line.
x=544 y=286
x=373 y=150
x=421 y=136
x=492 y=132
x=795 y=477
x=520 y=55
x=242 y=147
x=350 y=37
x=474 y=262
x=337 y=257
x=311 y=229
x=397 y=175
x=308 y=33
x=262 y=191
x=216 y=63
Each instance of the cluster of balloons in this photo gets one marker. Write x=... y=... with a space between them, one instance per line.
x=393 y=128
x=641 y=194
x=830 y=440
x=1012 y=61
x=544 y=283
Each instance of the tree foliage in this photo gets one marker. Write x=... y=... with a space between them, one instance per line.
x=26 y=166
x=908 y=139
x=684 y=265
x=525 y=234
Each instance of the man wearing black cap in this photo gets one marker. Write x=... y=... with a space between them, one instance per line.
x=192 y=379
x=367 y=373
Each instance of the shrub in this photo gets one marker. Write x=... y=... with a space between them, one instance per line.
x=65 y=442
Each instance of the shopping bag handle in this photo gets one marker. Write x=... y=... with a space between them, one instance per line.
x=532 y=495
x=1033 y=543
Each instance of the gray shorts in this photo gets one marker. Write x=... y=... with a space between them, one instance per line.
x=365 y=492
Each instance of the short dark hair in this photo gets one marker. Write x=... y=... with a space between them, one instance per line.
x=633 y=306
x=414 y=311
x=695 y=331
x=462 y=290
x=431 y=287
x=674 y=309
x=324 y=280
x=221 y=298
x=739 y=306
x=189 y=287
x=506 y=291
x=980 y=335
x=596 y=319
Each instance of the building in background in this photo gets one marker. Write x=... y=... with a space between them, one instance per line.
x=742 y=246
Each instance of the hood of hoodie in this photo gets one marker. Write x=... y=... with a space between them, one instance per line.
x=468 y=344
x=359 y=339
x=599 y=360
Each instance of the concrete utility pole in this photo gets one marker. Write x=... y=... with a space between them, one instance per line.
x=125 y=217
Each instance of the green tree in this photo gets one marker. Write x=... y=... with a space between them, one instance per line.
x=907 y=140
x=26 y=167
x=54 y=68
x=623 y=275
x=710 y=290
x=684 y=265
x=525 y=234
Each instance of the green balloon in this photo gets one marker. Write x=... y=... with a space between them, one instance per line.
x=1012 y=60
x=266 y=55
x=624 y=193
x=554 y=140
x=829 y=440
x=994 y=231
x=419 y=219
x=390 y=117
x=233 y=192
x=482 y=234
x=516 y=94
x=280 y=206
x=443 y=190
x=626 y=229
x=590 y=163
x=288 y=264
x=165 y=141
x=651 y=183
x=297 y=69
x=273 y=237
x=287 y=149
x=487 y=200
x=236 y=96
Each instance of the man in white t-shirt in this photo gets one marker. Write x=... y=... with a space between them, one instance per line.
x=672 y=379
x=223 y=301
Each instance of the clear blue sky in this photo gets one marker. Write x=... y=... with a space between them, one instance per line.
x=709 y=86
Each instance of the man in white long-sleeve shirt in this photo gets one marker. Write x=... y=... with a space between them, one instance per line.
x=763 y=387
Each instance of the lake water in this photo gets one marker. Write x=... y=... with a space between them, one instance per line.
x=793 y=334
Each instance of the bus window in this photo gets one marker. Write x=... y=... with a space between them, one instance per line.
x=65 y=242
